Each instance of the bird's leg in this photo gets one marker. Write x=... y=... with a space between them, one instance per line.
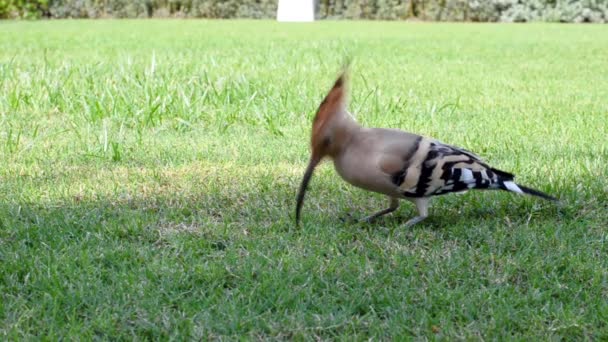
x=422 y=204
x=392 y=207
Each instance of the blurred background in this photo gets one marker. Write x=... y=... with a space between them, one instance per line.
x=590 y=11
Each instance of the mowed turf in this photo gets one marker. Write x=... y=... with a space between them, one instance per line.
x=148 y=173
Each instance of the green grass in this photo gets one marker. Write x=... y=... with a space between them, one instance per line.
x=148 y=172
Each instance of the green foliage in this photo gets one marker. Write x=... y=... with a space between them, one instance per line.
x=556 y=10
x=256 y=9
x=438 y=10
x=26 y=9
x=468 y=10
x=163 y=8
x=99 y=8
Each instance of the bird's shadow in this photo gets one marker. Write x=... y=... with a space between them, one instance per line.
x=449 y=213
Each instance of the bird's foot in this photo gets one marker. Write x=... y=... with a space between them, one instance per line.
x=413 y=221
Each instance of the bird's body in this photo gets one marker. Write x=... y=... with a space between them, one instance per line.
x=395 y=163
x=360 y=163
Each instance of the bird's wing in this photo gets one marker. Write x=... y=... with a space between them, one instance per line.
x=434 y=168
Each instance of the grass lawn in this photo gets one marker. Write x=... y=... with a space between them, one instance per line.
x=148 y=173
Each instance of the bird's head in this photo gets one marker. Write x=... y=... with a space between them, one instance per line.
x=326 y=133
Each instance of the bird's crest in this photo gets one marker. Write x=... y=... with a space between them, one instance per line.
x=334 y=103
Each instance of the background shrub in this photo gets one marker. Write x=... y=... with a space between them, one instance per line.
x=580 y=11
x=27 y=9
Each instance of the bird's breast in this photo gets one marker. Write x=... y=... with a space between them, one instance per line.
x=364 y=172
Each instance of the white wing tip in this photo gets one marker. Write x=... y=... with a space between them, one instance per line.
x=511 y=186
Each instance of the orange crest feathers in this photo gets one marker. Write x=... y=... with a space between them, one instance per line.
x=332 y=104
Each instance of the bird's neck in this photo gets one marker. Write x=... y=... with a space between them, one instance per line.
x=343 y=132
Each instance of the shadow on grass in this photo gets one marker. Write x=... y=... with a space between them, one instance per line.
x=227 y=262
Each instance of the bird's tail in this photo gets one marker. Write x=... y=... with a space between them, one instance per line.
x=510 y=185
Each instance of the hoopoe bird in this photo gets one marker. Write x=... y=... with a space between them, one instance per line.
x=395 y=163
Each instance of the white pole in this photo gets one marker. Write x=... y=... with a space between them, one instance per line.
x=296 y=10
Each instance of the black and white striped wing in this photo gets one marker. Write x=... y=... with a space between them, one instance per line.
x=436 y=169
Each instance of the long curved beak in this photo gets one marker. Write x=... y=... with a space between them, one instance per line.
x=314 y=161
